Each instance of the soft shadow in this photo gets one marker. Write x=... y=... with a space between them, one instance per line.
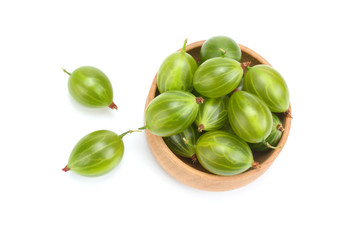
x=105 y=111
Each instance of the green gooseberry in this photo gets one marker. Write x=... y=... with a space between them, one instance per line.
x=249 y=117
x=267 y=83
x=212 y=114
x=184 y=143
x=171 y=112
x=176 y=72
x=220 y=46
x=217 y=77
x=274 y=137
x=91 y=87
x=97 y=153
x=223 y=153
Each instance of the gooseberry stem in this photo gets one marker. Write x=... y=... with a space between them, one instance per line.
x=184 y=46
x=130 y=131
x=256 y=165
x=199 y=100
x=245 y=66
x=288 y=114
x=187 y=142
x=66 y=168
x=201 y=127
x=66 y=72
x=272 y=147
x=223 y=51
x=193 y=158
x=280 y=127
x=113 y=106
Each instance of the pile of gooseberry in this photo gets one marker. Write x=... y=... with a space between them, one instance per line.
x=218 y=110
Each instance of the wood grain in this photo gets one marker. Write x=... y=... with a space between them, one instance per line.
x=193 y=174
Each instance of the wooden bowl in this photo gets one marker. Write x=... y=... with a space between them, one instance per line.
x=193 y=174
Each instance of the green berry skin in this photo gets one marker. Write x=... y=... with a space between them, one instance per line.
x=171 y=112
x=210 y=48
x=267 y=83
x=176 y=72
x=90 y=87
x=96 y=154
x=217 y=77
x=240 y=86
x=223 y=153
x=249 y=117
x=274 y=137
x=212 y=114
x=177 y=143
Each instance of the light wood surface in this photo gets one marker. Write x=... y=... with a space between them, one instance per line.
x=194 y=174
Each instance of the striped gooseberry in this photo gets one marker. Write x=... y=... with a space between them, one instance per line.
x=267 y=84
x=223 y=153
x=217 y=77
x=212 y=114
x=220 y=46
x=273 y=139
x=176 y=72
x=91 y=87
x=171 y=112
x=249 y=117
x=184 y=143
x=97 y=153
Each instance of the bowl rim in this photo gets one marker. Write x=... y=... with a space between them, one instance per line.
x=237 y=180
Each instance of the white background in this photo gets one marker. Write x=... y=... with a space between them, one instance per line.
x=310 y=192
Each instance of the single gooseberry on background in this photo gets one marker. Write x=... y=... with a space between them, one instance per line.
x=91 y=87
x=97 y=153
